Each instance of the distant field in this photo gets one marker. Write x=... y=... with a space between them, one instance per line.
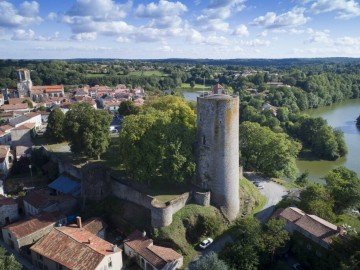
x=148 y=73
x=132 y=73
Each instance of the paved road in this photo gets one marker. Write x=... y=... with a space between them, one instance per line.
x=273 y=193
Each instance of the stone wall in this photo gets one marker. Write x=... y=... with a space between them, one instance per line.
x=202 y=198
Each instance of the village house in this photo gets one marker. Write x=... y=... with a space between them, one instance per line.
x=149 y=256
x=267 y=106
x=22 y=234
x=312 y=227
x=6 y=160
x=44 y=200
x=22 y=135
x=74 y=247
x=32 y=117
x=96 y=226
x=9 y=211
x=5 y=134
x=38 y=93
x=22 y=107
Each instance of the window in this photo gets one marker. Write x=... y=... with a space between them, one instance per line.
x=9 y=235
x=204 y=140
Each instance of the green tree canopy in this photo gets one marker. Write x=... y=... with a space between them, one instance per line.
x=344 y=186
x=158 y=141
x=128 y=107
x=209 y=261
x=271 y=153
x=8 y=262
x=87 y=130
x=54 y=129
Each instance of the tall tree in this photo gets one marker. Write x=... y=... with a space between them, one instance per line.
x=54 y=128
x=209 y=261
x=87 y=130
x=270 y=153
x=128 y=107
x=158 y=141
x=344 y=186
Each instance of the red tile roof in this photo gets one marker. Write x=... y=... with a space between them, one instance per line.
x=20 y=106
x=292 y=214
x=70 y=247
x=95 y=225
x=25 y=126
x=6 y=128
x=33 y=224
x=156 y=255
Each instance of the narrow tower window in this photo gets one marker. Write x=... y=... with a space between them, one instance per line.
x=204 y=140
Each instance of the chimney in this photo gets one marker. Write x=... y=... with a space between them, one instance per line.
x=114 y=248
x=89 y=240
x=144 y=234
x=78 y=222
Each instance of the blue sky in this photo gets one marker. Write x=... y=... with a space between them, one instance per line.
x=141 y=29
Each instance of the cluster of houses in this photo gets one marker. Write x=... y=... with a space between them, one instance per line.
x=42 y=227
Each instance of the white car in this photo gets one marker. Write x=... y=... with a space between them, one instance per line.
x=207 y=242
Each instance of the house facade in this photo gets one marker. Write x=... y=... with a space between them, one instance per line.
x=9 y=211
x=149 y=256
x=75 y=248
x=6 y=159
x=22 y=234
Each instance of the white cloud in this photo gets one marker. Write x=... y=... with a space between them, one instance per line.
x=162 y=9
x=319 y=37
x=256 y=43
x=103 y=10
x=216 y=40
x=84 y=36
x=123 y=40
x=52 y=16
x=241 y=30
x=345 y=8
x=55 y=36
x=213 y=18
x=21 y=34
x=29 y=9
x=291 y=18
x=348 y=41
x=166 y=48
x=13 y=17
x=194 y=36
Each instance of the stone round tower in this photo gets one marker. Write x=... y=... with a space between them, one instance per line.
x=218 y=150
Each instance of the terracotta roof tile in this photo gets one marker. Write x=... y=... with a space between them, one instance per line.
x=33 y=224
x=25 y=126
x=62 y=248
x=156 y=255
x=95 y=225
x=292 y=214
x=6 y=128
x=19 y=106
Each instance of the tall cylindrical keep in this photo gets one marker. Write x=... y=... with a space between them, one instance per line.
x=218 y=150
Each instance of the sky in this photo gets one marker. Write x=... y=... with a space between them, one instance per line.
x=154 y=29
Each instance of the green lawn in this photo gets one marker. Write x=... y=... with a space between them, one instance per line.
x=148 y=73
x=185 y=87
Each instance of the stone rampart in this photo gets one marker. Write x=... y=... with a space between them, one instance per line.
x=202 y=198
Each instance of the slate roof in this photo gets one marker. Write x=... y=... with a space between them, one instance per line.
x=74 y=248
x=66 y=185
x=30 y=225
x=155 y=255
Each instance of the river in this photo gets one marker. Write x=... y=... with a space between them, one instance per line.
x=341 y=115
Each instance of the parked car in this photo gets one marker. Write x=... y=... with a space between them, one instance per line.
x=258 y=185
x=207 y=242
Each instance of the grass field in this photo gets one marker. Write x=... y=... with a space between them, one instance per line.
x=148 y=73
